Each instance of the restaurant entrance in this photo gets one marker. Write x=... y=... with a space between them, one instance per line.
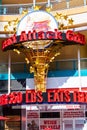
x=56 y=117
x=41 y=117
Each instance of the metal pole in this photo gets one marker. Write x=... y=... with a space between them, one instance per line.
x=39 y=116
x=79 y=68
x=9 y=72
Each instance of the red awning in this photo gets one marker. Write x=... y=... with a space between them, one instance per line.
x=3 y=118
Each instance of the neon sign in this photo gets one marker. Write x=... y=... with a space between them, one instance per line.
x=69 y=37
x=51 y=96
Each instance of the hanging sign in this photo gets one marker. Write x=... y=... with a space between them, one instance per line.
x=67 y=38
x=43 y=27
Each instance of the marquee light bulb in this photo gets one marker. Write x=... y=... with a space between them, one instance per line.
x=57 y=54
x=27 y=60
x=17 y=51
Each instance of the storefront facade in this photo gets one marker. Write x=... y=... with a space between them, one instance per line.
x=55 y=117
x=55 y=96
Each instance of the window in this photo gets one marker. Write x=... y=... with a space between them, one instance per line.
x=50 y=115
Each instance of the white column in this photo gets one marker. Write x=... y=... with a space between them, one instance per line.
x=84 y=2
x=34 y=3
x=48 y=3
x=79 y=69
x=63 y=124
x=67 y=4
x=9 y=72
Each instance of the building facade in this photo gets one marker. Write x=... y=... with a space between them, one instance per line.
x=63 y=105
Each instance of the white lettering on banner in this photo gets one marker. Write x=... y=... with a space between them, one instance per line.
x=74 y=113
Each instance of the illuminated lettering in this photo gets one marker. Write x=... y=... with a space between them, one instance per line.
x=32 y=96
x=41 y=35
x=29 y=96
x=75 y=38
x=69 y=35
x=51 y=96
x=15 y=98
x=50 y=35
x=56 y=97
x=66 y=96
x=39 y=97
x=23 y=36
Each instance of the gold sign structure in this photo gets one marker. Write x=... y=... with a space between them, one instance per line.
x=39 y=60
x=40 y=44
x=40 y=52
